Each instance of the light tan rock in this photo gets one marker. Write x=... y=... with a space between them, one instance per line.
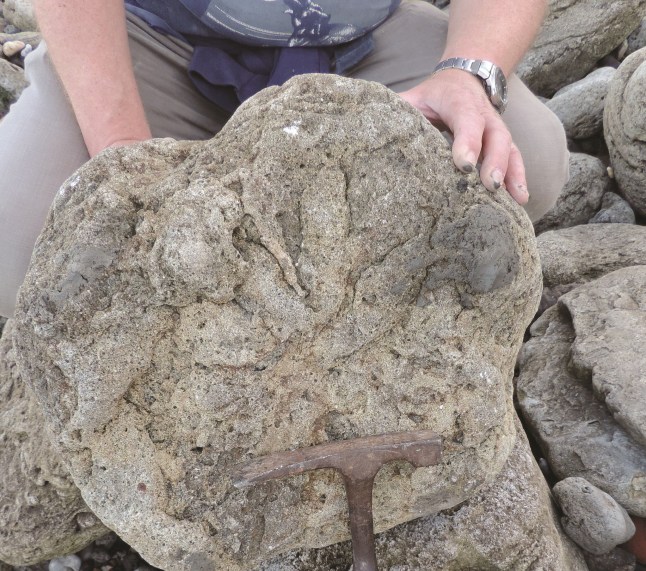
x=318 y=271
x=42 y=514
x=20 y=13
x=13 y=47
x=509 y=525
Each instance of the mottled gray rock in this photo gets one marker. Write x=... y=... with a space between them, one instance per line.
x=318 y=271
x=576 y=432
x=20 y=13
x=637 y=39
x=609 y=316
x=617 y=560
x=12 y=82
x=584 y=253
x=581 y=196
x=42 y=514
x=509 y=525
x=624 y=125
x=591 y=518
x=615 y=210
x=575 y=36
x=579 y=105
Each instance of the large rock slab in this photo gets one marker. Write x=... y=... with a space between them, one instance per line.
x=575 y=36
x=584 y=253
x=609 y=317
x=42 y=514
x=318 y=271
x=575 y=430
x=509 y=525
x=624 y=125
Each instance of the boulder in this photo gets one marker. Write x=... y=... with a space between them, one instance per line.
x=12 y=82
x=584 y=253
x=609 y=318
x=591 y=518
x=317 y=271
x=637 y=39
x=579 y=105
x=20 y=13
x=624 y=125
x=581 y=196
x=507 y=526
x=42 y=514
x=617 y=560
x=575 y=36
x=614 y=210
x=576 y=432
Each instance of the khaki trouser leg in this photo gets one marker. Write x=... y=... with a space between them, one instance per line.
x=407 y=48
x=41 y=144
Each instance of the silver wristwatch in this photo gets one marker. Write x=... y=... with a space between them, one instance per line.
x=489 y=73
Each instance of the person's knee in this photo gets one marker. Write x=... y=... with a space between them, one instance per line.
x=549 y=170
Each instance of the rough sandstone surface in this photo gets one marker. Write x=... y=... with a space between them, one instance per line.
x=624 y=124
x=42 y=514
x=317 y=271
x=563 y=52
x=509 y=525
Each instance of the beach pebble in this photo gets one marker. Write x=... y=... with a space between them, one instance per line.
x=592 y=519
x=614 y=209
x=26 y=50
x=10 y=49
x=67 y=563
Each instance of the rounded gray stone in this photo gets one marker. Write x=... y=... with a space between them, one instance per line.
x=625 y=129
x=614 y=210
x=580 y=105
x=581 y=197
x=575 y=36
x=592 y=518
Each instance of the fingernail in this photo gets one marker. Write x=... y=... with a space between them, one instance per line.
x=522 y=189
x=496 y=177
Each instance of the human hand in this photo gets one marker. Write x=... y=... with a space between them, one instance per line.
x=455 y=100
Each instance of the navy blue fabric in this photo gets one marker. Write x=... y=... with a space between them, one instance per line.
x=228 y=73
x=275 y=23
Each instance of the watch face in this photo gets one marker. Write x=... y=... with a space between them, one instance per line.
x=499 y=90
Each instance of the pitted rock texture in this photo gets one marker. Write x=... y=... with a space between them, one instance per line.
x=587 y=252
x=318 y=271
x=563 y=51
x=42 y=514
x=575 y=430
x=624 y=124
x=509 y=525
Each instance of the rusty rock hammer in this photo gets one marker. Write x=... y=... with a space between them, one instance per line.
x=358 y=460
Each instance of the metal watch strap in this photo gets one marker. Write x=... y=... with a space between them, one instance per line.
x=485 y=70
x=459 y=63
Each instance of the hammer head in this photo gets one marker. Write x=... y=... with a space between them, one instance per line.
x=355 y=458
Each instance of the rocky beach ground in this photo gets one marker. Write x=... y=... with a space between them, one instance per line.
x=578 y=379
